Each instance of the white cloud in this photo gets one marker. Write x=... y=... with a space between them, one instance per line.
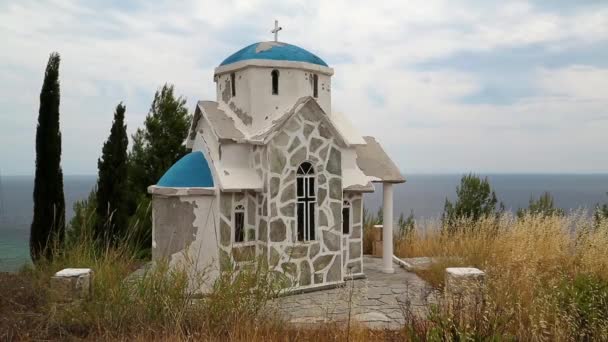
x=578 y=83
x=110 y=54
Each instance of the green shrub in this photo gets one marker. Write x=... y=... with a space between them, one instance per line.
x=84 y=219
x=584 y=302
x=475 y=200
x=543 y=206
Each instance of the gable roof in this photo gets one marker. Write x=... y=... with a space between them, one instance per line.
x=222 y=122
x=376 y=164
x=303 y=105
x=350 y=133
x=223 y=125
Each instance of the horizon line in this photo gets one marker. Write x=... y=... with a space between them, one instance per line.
x=447 y=173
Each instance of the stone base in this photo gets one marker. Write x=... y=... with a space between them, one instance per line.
x=377 y=248
x=464 y=286
x=417 y=264
x=377 y=232
x=71 y=283
x=389 y=270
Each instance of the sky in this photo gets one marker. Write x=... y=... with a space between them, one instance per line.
x=446 y=87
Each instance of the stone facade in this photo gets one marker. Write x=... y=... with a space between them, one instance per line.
x=270 y=220
x=352 y=243
x=260 y=165
x=232 y=252
x=305 y=137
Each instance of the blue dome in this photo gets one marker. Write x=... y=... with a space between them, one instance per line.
x=191 y=171
x=275 y=51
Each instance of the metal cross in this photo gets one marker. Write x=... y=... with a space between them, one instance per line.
x=276 y=30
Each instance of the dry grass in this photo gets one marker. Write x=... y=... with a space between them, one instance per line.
x=547 y=275
x=159 y=306
x=547 y=279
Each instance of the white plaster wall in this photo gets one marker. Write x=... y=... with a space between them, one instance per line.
x=200 y=258
x=349 y=158
x=206 y=141
x=293 y=85
x=242 y=98
x=254 y=95
x=235 y=155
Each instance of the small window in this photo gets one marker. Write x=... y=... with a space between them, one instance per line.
x=306 y=202
x=239 y=223
x=275 y=82
x=346 y=217
x=233 y=83
x=315 y=85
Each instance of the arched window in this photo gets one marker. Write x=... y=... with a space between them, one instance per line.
x=233 y=83
x=239 y=223
x=306 y=201
x=346 y=217
x=275 y=82
x=315 y=85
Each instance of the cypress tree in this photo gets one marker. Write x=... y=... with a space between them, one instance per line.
x=112 y=216
x=48 y=225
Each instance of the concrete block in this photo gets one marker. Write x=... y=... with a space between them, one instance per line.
x=377 y=248
x=377 y=232
x=71 y=283
x=464 y=285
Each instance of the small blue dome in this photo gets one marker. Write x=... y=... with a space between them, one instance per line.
x=275 y=51
x=191 y=171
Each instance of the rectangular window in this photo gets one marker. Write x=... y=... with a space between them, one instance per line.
x=275 y=82
x=311 y=221
x=239 y=229
x=311 y=187
x=300 y=190
x=233 y=83
x=315 y=86
x=346 y=220
x=306 y=203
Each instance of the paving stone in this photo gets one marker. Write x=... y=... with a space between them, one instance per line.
x=376 y=299
x=373 y=316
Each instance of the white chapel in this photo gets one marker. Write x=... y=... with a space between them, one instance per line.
x=273 y=174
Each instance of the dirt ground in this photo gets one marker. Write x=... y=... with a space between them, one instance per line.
x=20 y=307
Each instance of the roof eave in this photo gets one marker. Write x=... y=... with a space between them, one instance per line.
x=272 y=63
x=168 y=191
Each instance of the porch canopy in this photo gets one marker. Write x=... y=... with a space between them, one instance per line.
x=379 y=168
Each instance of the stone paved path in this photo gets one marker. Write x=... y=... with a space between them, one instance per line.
x=376 y=301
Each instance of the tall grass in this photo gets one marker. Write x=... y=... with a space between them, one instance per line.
x=546 y=276
x=162 y=299
x=160 y=304
x=547 y=279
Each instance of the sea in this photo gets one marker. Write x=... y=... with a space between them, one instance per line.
x=423 y=195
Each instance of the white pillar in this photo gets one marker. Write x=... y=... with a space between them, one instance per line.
x=387 y=230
